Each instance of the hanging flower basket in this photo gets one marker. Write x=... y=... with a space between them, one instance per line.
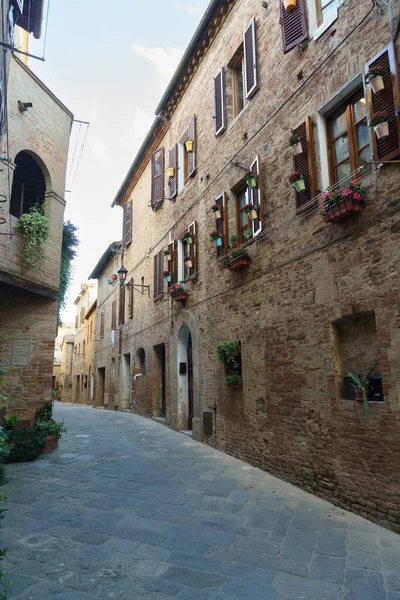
x=171 y=171
x=380 y=122
x=240 y=262
x=177 y=292
x=216 y=238
x=382 y=130
x=339 y=205
x=374 y=77
x=297 y=181
x=167 y=276
x=217 y=211
x=189 y=145
x=167 y=255
x=251 y=212
x=114 y=277
x=289 y=5
x=251 y=181
x=188 y=262
x=295 y=145
x=188 y=238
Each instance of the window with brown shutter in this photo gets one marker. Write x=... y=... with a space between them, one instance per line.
x=221 y=225
x=173 y=181
x=256 y=197
x=294 y=26
x=190 y=253
x=304 y=163
x=173 y=262
x=122 y=305
x=102 y=324
x=130 y=298
x=158 y=275
x=82 y=315
x=192 y=155
x=114 y=315
x=157 y=177
x=250 y=59
x=127 y=224
x=387 y=100
x=220 y=102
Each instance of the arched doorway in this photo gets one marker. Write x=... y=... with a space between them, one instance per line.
x=185 y=379
x=29 y=185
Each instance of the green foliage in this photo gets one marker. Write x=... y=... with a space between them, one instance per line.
x=35 y=228
x=4 y=447
x=2 y=398
x=233 y=379
x=51 y=427
x=4 y=582
x=3 y=478
x=45 y=412
x=11 y=422
x=309 y=472
x=227 y=351
x=25 y=444
x=68 y=253
x=361 y=383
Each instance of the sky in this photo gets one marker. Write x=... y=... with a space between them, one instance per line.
x=109 y=62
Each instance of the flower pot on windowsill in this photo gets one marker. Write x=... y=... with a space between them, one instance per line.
x=217 y=214
x=382 y=129
x=218 y=242
x=167 y=255
x=297 y=148
x=251 y=181
x=289 y=5
x=342 y=210
x=189 y=264
x=240 y=262
x=252 y=214
x=168 y=278
x=299 y=185
x=171 y=171
x=377 y=83
x=180 y=297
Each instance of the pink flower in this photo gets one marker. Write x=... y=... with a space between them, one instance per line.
x=354 y=182
x=357 y=196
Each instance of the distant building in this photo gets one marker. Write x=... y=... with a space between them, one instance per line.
x=83 y=352
x=62 y=331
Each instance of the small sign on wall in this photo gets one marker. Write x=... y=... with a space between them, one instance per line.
x=20 y=353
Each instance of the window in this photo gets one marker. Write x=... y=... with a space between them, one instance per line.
x=122 y=305
x=82 y=315
x=244 y=223
x=130 y=299
x=328 y=9
x=348 y=138
x=29 y=185
x=102 y=324
x=114 y=315
x=76 y=321
x=190 y=254
x=294 y=26
x=157 y=178
x=158 y=275
x=84 y=348
x=186 y=160
x=238 y=84
x=246 y=227
x=127 y=224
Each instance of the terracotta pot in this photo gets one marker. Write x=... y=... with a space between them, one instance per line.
x=343 y=210
x=239 y=263
x=181 y=297
x=51 y=444
x=297 y=148
x=359 y=395
x=382 y=130
x=377 y=84
x=289 y=5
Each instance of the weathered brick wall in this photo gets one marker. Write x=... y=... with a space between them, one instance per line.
x=83 y=353
x=305 y=275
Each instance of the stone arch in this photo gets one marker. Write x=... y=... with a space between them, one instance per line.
x=187 y=326
x=141 y=360
x=37 y=153
x=29 y=185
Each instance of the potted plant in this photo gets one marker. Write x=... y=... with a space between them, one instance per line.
x=216 y=210
x=216 y=238
x=177 y=292
x=114 y=277
x=237 y=256
x=171 y=171
x=297 y=181
x=187 y=237
x=52 y=430
x=167 y=254
x=188 y=261
x=233 y=380
x=189 y=145
x=116 y=404
x=167 y=276
x=251 y=212
x=295 y=145
x=35 y=229
x=227 y=352
x=248 y=234
x=360 y=385
x=374 y=77
x=380 y=122
x=289 y=5
x=339 y=204
x=251 y=181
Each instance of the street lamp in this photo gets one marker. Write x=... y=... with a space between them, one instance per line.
x=122 y=273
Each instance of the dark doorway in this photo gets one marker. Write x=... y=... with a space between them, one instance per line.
x=29 y=185
x=101 y=374
x=160 y=388
x=190 y=382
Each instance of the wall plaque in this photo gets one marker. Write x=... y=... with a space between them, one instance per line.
x=20 y=353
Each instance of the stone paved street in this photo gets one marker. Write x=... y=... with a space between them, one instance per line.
x=126 y=508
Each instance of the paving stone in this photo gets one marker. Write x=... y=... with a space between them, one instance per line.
x=331 y=542
x=234 y=588
x=364 y=585
x=327 y=568
x=298 y=545
x=390 y=559
x=362 y=560
x=303 y=586
x=195 y=562
x=392 y=581
x=120 y=545
x=264 y=546
x=247 y=572
x=87 y=537
x=166 y=587
x=193 y=578
x=216 y=537
x=19 y=583
x=273 y=563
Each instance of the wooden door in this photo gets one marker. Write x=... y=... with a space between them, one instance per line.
x=190 y=382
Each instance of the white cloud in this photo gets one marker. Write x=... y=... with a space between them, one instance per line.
x=165 y=60
x=141 y=123
x=99 y=151
x=189 y=8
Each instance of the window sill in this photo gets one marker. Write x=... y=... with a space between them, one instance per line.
x=238 y=116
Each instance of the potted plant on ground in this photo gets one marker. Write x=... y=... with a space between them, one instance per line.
x=289 y=5
x=251 y=212
x=188 y=261
x=360 y=385
x=380 y=122
x=340 y=204
x=374 y=77
x=177 y=292
x=216 y=237
x=237 y=256
x=216 y=210
x=167 y=254
x=251 y=181
x=295 y=145
x=52 y=430
x=233 y=380
x=297 y=181
x=187 y=237
x=167 y=276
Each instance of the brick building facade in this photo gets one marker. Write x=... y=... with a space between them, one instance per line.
x=34 y=160
x=84 y=344
x=320 y=295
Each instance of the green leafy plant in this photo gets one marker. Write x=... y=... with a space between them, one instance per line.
x=293 y=140
x=5 y=583
x=236 y=250
x=378 y=117
x=227 y=352
x=11 y=422
x=374 y=72
x=45 y=412
x=68 y=253
x=233 y=379
x=3 y=399
x=25 y=444
x=361 y=383
x=51 y=427
x=35 y=228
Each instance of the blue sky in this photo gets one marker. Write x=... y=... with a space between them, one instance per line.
x=109 y=63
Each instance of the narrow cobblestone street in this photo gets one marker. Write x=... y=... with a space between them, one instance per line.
x=126 y=508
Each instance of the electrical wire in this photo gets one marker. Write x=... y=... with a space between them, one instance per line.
x=45 y=28
x=74 y=153
x=80 y=155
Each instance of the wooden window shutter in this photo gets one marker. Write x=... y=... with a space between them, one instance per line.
x=221 y=225
x=387 y=100
x=122 y=304
x=158 y=278
x=175 y=263
x=157 y=177
x=193 y=249
x=76 y=321
x=127 y=224
x=192 y=155
x=114 y=315
x=82 y=315
x=305 y=162
x=130 y=299
x=250 y=59
x=220 y=102
x=256 y=197
x=294 y=26
x=172 y=263
x=173 y=181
